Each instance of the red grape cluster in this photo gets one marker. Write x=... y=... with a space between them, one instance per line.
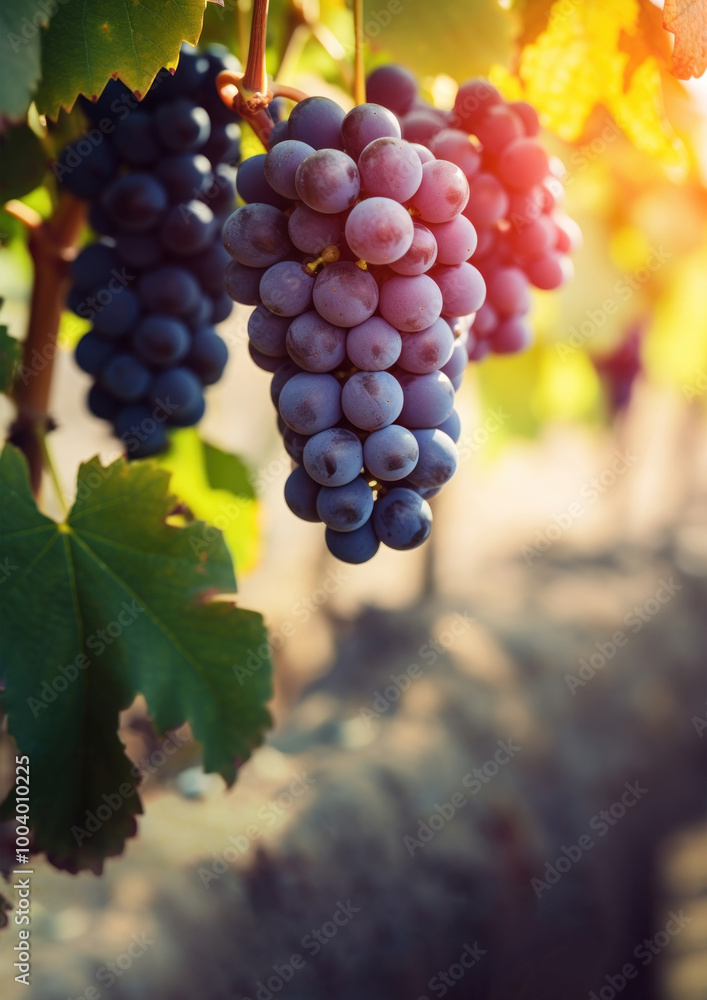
x=514 y=202
x=354 y=250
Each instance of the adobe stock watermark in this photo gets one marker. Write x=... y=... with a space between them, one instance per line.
x=42 y=14
x=312 y=943
x=270 y=815
x=624 y=289
x=590 y=492
x=429 y=652
x=639 y=616
x=480 y=436
x=645 y=952
x=109 y=973
x=474 y=781
x=97 y=642
x=301 y=611
x=441 y=983
x=136 y=434
x=699 y=723
x=600 y=823
x=95 y=303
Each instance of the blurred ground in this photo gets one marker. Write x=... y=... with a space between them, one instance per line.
x=494 y=629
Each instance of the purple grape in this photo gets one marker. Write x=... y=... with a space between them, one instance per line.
x=243 y=283
x=310 y=403
x=281 y=166
x=485 y=321
x=379 y=230
x=443 y=192
x=333 y=457
x=317 y=121
x=426 y=155
x=286 y=288
x=125 y=378
x=280 y=132
x=402 y=519
x=550 y=271
x=93 y=353
x=315 y=344
x=180 y=390
x=410 y=303
x=294 y=443
x=365 y=123
x=344 y=294
x=488 y=201
x=371 y=400
x=301 y=494
x=422 y=124
x=456 y=365
x=438 y=459
x=456 y=240
x=421 y=255
x=427 y=399
x=390 y=168
x=353 y=547
x=345 y=508
x=281 y=376
x=252 y=184
x=208 y=355
x=185 y=176
x=452 y=425
x=462 y=288
x=136 y=202
x=182 y=126
x=328 y=181
x=188 y=228
x=427 y=350
x=473 y=99
x=172 y=290
x=256 y=235
x=454 y=145
x=312 y=231
x=522 y=164
x=265 y=362
x=267 y=332
x=497 y=127
x=528 y=115
x=373 y=345
x=390 y=453
x=507 y=290
x=392 y=86
x=512 y=335
x=161 y=340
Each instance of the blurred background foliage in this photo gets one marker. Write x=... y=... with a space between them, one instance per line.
x=633 y=140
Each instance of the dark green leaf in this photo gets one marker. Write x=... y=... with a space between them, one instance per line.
x=227 y=472
x=24 y=162
x=20 y=46
x=111 y=603
x=87 y=44
x=10 y=351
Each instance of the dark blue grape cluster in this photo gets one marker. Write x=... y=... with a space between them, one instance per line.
x=515 y=197
x=160 y=176
x=354 y=251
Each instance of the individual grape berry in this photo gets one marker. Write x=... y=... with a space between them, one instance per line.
x=452 y=426
x=528 y=115
x=141 y=250
x=473 y=99
x=421 y=255
x=301 y=494
x=374 y=344
x=422 y=125
x=379 y=230
x=209 y=267
x=188 y=229
x=184 y=176
x=550 y=271
x=391 y=453
x=118 y=314
x=427 y=399
x=136 y=202
x=438 y=459
x=169 y=289
x=410 y=303
x=280 y=166
x=402 y=519
x=125 y=378
x=462 y=288
x=488 y=201
x=390 y=168
x=522 y=164
x=178 y=391
x=353 y=547
x=101 y=403
x=370 y=400
x=345 y=508
x=312 y=231
x=86 y=176
x=93 y=266
x=224 y=143
x=93 y=353
x=182 y=127
x=392 y=86
x=161 y=340
x=456 y=146
x=243 y=283
x=317 y=121
x=310 y=403
x=443 y=192
x=142 y=435
x=328 y=181
x=512 y=335
x=280 y=132
x=256 y=235
x=286 y=288
x=333 y=457
x=208 y=355
x=315 y=344
x=427 y=350
x=134 y=139
x=267 y=332
x=266 y=362
x=344 y=294
x=252 y=184
x=281 y=376
x=508 y=291
x=456 y=240
x=497 y=127
x=365 y=123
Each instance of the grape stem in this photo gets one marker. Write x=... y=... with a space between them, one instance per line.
x=52 y=244
x=359 y=72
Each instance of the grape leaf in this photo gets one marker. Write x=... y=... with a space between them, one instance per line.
x=24 y=162
x=20 y=46
x=215 y=487
x=687 y=20
x=111 y=603
x=10 y=351
x=460 y=39
x=87 y=44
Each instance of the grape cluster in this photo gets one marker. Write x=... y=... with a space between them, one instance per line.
x=354 y=251
x=515 y=194
x=160 y=176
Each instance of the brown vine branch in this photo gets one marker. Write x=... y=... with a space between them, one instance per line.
x=52 y=245
x=255 y=79
x=359 y=72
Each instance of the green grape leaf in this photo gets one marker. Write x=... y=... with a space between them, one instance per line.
x=460 y=39
x=87 y=44
x=114 y=602
x=10 y=353
x=216 y=488
x=24 y=162
x=20 y=46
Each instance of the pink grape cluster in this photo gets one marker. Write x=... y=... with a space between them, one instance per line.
x=354 y=250
x=515 y=197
